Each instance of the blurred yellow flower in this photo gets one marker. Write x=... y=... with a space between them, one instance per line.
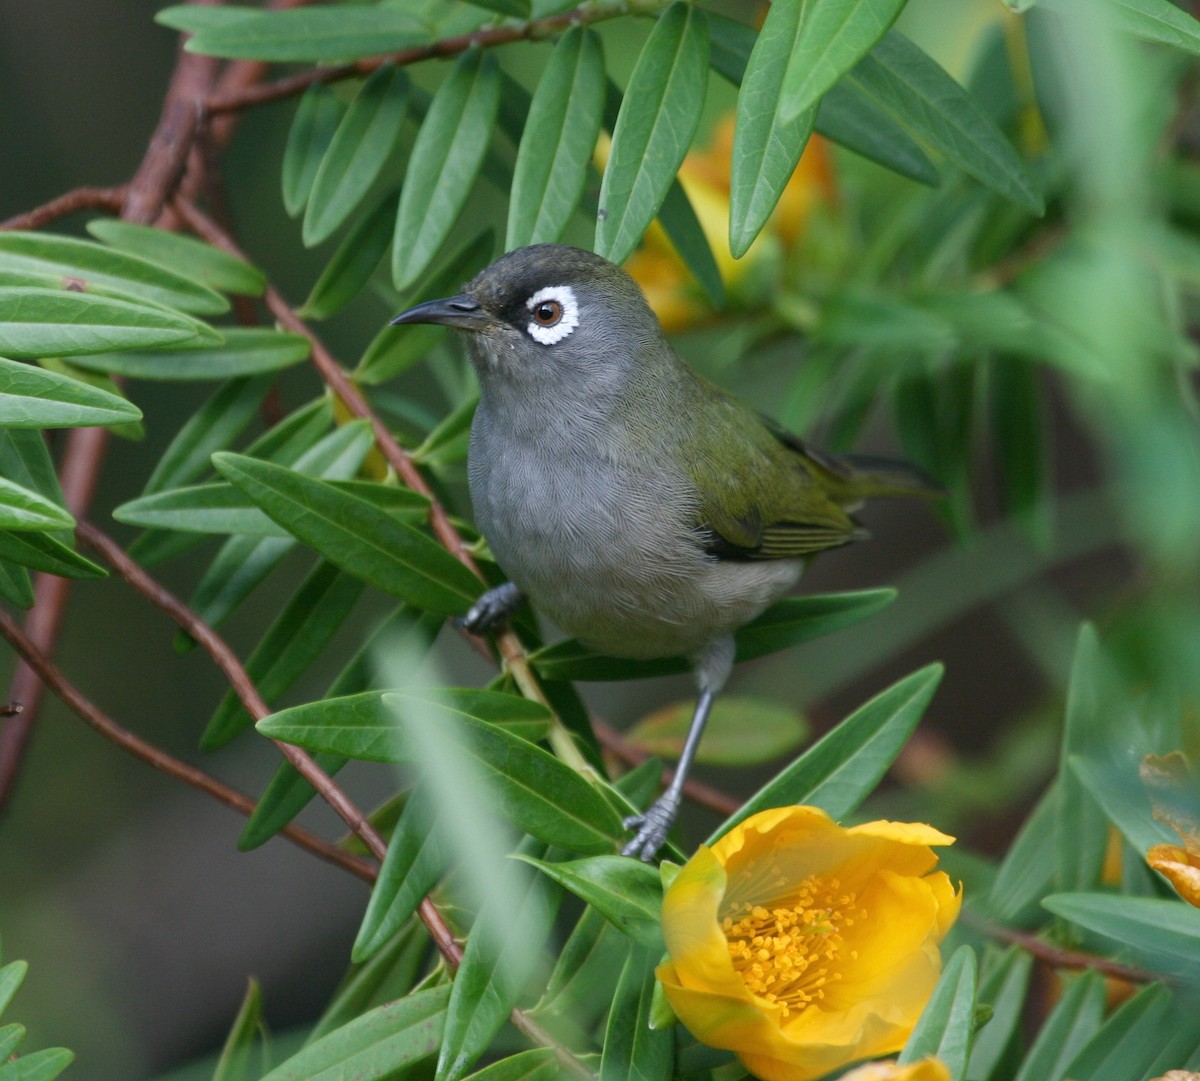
x=928 y=1069
x=802 y=946
x=1174 y=794
x=667 y=283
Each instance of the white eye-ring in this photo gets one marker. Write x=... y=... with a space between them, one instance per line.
x=555 y=314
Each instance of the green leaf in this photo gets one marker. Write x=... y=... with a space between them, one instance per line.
x=235 y=1062
x=558 y=141
x=1003 y=988
x=42 y=552
x=1120 y=1048
x=85 y=265
x=354 y=262
x=918 y=94
x=292 y=643
x=364 y=725
x=740 y=731
x=37 y=1066
x=416 y=858
x=33 y=397
x=627 y=893
x=200 y=262
x=1022 y=455
x=1028 y=868
x=633 y=1051
x=1166 y=934
x=131 y=430
x=654 y=129
x=12 y=975
x=395 y=349
x=311 y=35
x=786 y=623
x=313 y=128
x=355 y=535
x=833 y=37
x=844 y=766
x=50 y=322
x=11 y=1037
x=244 y=351
x=944 y=1030
x=678 y=218
x=25 y=460
x=1124 y=799
x=192 y=17
x=535 y=791
x=1157 y=21
x=364 y=141
x=22 y=509
x=214 y=426
x=445 y=160
x=376 y=1044
x=15 y=586
x=580 y=987
x=540 y=1064
x=501 y=956
x=852 y=119
x=518 y=8
x=769 y=135
x=1081 y=827
x=1074 y=1021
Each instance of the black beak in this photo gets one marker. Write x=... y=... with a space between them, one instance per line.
x=460 y=311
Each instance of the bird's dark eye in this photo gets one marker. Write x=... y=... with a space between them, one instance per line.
x=547 y=313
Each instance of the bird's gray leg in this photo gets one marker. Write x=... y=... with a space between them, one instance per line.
x=712 y=669
x=492 y=609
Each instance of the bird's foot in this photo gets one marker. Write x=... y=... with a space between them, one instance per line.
x=652 y=828
x=492 y=610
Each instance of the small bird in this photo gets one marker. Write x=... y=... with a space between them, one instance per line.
x=640 y=507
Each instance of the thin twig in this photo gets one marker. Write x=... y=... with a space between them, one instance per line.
x=52 y=677
x=69 y=202
x=233 y=99
x=1057 y=956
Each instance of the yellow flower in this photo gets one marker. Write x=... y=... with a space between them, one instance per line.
x=802 y=946
x=928 y=1069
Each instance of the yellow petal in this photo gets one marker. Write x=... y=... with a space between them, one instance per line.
x=928 y=1069
x=1181 y=867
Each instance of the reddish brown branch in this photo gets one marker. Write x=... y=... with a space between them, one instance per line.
x=50 y=675
x=489 y=37
x=1056 y=956
x=69 y=202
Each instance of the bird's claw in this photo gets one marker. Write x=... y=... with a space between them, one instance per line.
x=652 y=828
x=492 y=610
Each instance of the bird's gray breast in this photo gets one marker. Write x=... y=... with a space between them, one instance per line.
x=604 y=543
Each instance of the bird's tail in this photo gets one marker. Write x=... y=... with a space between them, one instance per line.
x=850 y=478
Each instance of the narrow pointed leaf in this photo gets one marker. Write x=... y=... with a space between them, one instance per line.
x=11 y=1037
x=54 y=323
x=786 y=623
x=363 y=143
x=312 y=35
x=1120 y=1048
x=769 y=135
x=22 y=509
x=12 y=975
x=1074 y=1021
x=355 y=260
x=633 y=1051
x=15 y=585
x=235 y=1063
x=627 y=893
x=558 y=141
x=1159 y=21
x=355 y=535
x=446 y=158
x=540 y=1064
x=42 y=1065
x=1028 y=868
x=1166 y=934
x=536 y=792
x=42 y=552
x=919 y=95
x=376 y=1044
x=25 y=460
x=839 y=771
x=833 y=37
x=501 y=956
x=741 y=731
x=193 y=17
x=654 y=129
x=364 y=725
x=1003 y=989
x=850 y=118
x=312 y=131
x=294 y=641
x=244 y=351
x=88 y=265
x=200 y=262
x=944 y=1030
x=678 y=218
